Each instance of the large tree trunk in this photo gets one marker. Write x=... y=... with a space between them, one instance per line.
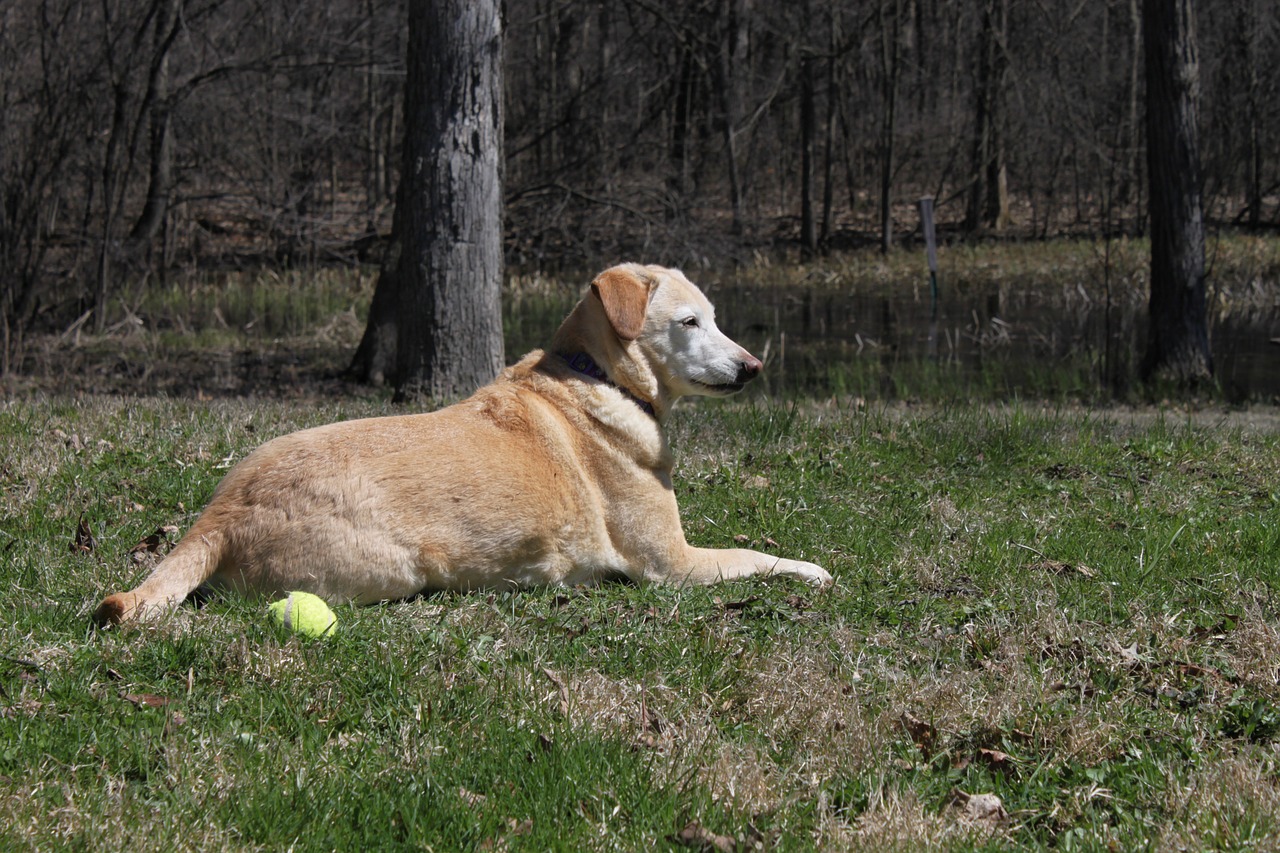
x=1178 y=337
x=435 y=325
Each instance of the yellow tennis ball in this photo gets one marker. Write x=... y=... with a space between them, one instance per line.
x=305 y=614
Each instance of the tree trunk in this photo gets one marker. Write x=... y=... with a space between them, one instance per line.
x=1178 y=337
x=1246 y=46
x=435 y=325
x=733 y=53
x=988 y=203
x=808 y=132
x=678 y=180
x=1129 y=139
x=829 y=129
x=157 y=105
x=890 y=60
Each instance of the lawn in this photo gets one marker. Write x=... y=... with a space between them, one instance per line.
x=1051 y=627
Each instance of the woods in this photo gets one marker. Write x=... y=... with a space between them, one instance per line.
x=144 y=142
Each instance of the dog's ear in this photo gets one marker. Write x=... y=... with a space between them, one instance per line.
x=625 y=296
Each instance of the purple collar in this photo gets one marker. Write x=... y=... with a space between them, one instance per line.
x=586 y=365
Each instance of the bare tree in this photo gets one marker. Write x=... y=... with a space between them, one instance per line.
x=157 y=108
x=1178 y=337
x=889 y=13
x=732 y=57
x=435 y=325
x=989 y=193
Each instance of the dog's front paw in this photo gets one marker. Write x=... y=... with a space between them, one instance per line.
x=117 y=609
x=820 y=578
x=814 y=576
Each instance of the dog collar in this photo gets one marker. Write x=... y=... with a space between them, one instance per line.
x=586 y=365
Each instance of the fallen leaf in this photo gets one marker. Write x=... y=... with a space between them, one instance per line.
x=1129 y=655
x=700 y=838
x=1057 y=567
x=471 y=798
x=561 y=689
x=996 y=760
x=922 y=734
x=176 y=721
x=154 y=544
x=21 y=708
x=1217 y=631
x=983 y=807
x=147 y=700
x=73 y=441
x=649 y=720
x=83 y=543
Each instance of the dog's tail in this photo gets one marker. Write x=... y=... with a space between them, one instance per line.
x=192 y=562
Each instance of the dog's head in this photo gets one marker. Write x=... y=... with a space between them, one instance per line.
x=660 y=340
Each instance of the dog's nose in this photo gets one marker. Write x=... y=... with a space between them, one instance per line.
x=749 y=367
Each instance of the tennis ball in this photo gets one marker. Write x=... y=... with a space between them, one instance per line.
x=305 y=614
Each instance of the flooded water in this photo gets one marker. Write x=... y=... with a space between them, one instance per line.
x=987 y=342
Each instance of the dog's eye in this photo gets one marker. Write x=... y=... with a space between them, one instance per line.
x=689 y=322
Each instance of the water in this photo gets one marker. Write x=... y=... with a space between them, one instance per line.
x=980 y=341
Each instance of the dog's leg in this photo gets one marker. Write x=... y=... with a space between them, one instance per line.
x=712 y=565
x=190 y=564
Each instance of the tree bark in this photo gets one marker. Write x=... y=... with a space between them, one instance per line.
x=157 y=106
x=1246 y=41
x=890 y=61
x=1178 y=337
x=988 y=203
x=808 y=131
x=1129 y=139
x=681 y=122
x=435 y=324
x=733 y=54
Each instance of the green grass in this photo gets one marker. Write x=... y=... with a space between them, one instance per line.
x=1078 y=609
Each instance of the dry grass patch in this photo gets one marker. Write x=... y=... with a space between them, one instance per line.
x=1230 y=804
x=807 y=710
x=896 y=820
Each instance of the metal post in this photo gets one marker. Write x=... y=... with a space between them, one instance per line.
x=931 y=249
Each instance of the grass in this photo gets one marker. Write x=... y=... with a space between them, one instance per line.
x=1074 y=611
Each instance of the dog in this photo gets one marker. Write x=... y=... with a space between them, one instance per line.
x=557 y=473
